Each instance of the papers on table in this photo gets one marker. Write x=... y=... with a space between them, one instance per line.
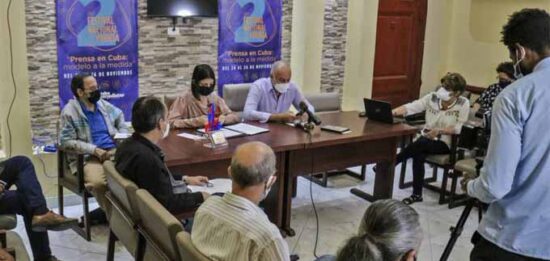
x=239 y=129
x=218 y=186
x=246 y=129
x=122 y=136
x=226 y=132
x=190 y=136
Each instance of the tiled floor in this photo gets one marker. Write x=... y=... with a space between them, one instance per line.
x=339 y=214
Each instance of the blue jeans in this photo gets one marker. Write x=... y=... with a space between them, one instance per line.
x=26 y=201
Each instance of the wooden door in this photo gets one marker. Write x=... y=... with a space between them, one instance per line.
x=399 y=50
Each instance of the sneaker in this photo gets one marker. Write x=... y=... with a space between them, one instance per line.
x=412 y=199
x=52 y=221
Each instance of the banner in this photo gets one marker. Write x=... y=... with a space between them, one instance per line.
x=249 y=39
x=99 y=37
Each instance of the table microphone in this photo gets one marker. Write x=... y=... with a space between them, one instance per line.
x=311 y=116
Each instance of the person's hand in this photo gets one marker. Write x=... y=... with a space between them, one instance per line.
x=2 y=188
x=466 y=177
x=394 y=112
x=287 y=117
x=433 y=134
x=195 y=180
x=205 y=195
x=221 y=119
x=203 y=120
x=101 y=154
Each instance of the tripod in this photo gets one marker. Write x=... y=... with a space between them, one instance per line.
x=456 y=231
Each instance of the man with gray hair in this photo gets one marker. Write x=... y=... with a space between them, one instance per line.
x=270 y=98
x=233 y=227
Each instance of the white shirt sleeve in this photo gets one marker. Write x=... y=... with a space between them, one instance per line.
x=418 y=106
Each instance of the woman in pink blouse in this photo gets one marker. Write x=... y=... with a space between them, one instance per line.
x=190 y=110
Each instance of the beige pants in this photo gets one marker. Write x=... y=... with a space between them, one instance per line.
x=96 y=182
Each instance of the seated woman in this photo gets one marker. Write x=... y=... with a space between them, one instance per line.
x=446 y=112
x=191 y=109
x=505 y=76
x=389 y=231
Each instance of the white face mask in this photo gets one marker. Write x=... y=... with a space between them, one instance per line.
x=443 y=94
x=267 y=189
x=282 y=87
x=166 y=131
x=517 y=68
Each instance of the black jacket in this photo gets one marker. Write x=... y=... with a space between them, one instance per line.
x=141 y=161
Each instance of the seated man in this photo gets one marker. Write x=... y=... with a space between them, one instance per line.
x=270 y=98
x=233 y=227
x=505 y=76
x=140 y=160
x=88 y=126
x=28 y=201
x=390 y=230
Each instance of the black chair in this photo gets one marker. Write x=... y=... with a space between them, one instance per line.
x=74 y=183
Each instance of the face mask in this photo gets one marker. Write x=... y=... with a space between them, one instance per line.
x=94 y=96
x=443 y=94
x=205 y=91
x=517 y=68
x=166 y=131
x=266 y=190
x=282 y=87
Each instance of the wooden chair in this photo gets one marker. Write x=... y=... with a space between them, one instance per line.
x=158 y=227
x=124 y=215
x=187 y=250
x=74 y=183
x=447 y=163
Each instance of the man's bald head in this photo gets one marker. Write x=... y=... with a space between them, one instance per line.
x=280 y=72
x=252 y=164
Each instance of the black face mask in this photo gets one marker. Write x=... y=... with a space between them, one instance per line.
x=94 y=96
x=503 y=83
x=205 y=91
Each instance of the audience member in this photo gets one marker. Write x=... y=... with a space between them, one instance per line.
x=140 y=160
x=191 y=109
x=515 y=176
x=505 y=76
x=446 y=112
x=28 y=201
x=233 y=227
x=269 y=99
x=88 y=126
x=389 y=231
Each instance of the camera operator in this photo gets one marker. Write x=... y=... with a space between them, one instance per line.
x=515 y=178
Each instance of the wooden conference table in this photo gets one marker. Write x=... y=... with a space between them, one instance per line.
x=299 y=153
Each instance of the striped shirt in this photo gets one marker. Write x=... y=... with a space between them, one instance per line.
x=232 y=228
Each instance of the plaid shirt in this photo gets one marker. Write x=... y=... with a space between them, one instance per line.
x=75 y=134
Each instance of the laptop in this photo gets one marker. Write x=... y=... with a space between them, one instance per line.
x=380 y=111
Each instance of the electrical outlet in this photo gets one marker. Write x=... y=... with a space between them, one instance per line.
x=173 y=32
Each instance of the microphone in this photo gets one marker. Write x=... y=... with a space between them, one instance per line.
x=310 y=115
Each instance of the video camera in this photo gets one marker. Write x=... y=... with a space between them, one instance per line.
x=475 y=137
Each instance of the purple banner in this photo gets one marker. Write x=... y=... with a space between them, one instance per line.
x=249 y=39
x=99 y=37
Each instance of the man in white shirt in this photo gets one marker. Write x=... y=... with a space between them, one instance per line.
x=233 y=227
